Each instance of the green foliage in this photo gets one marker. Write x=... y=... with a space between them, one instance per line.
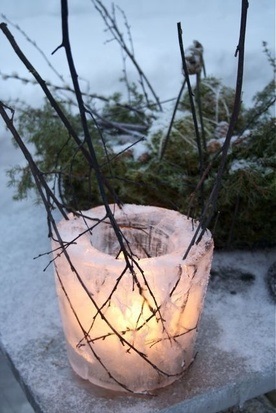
x=132 y=112
x=57 y=155
x=217 y=102
x=248 y=196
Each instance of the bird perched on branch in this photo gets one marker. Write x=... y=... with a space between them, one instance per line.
x=194 y=58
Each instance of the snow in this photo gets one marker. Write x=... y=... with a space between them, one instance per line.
x=252 y=165
x=137 y=150
x=153 y=24
x=247 y=340
x=233 y=356
x=240 y=164
x=233 y=361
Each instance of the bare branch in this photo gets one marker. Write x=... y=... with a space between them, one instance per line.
x=38 y=176
x=167 y=137
x=210 y=206
x=193 y=110
x=111 y=24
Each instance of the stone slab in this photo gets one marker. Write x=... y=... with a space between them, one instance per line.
x=236 y=345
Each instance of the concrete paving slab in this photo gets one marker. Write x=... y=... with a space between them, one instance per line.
x=236 y=345
x=12 y=397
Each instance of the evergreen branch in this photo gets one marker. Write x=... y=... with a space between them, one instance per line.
x=38 y=176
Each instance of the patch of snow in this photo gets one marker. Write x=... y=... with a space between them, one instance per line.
x=240 y=164
x=137 y=149
x=252 y=312
x=249 y=164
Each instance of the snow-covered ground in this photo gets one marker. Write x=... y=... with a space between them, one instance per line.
x=153 y=26
x=215 y=23
x=24 y=232
x=154 y=31
x=236 y=343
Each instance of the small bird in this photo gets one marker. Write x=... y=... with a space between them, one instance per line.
x=194 y=58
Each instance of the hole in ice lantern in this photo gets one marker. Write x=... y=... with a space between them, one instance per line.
x=146 y=238
x=132 y=330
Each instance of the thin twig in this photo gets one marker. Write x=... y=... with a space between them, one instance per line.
x=112 y=26
x=167 y=137
x=193 y=110
x=211 y=204
x=34 y=44
x=37 y=174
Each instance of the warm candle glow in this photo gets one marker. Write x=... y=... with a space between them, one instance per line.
x=136 y=330
x=121 y=256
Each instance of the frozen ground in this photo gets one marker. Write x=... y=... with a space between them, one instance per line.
x=154 y=33
x=153 y=25
x=236 y=344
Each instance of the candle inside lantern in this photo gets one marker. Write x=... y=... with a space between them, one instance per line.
x=132 y=330
x=121 y=256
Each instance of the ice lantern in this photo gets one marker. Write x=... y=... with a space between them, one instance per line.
x=131 y=330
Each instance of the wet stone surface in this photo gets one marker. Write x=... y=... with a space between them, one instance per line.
x=258 y=405
x=271 y=280
x=231 y=280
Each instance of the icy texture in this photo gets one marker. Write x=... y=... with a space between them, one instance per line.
x=144 y=337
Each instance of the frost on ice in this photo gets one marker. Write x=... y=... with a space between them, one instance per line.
x=126 y=329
